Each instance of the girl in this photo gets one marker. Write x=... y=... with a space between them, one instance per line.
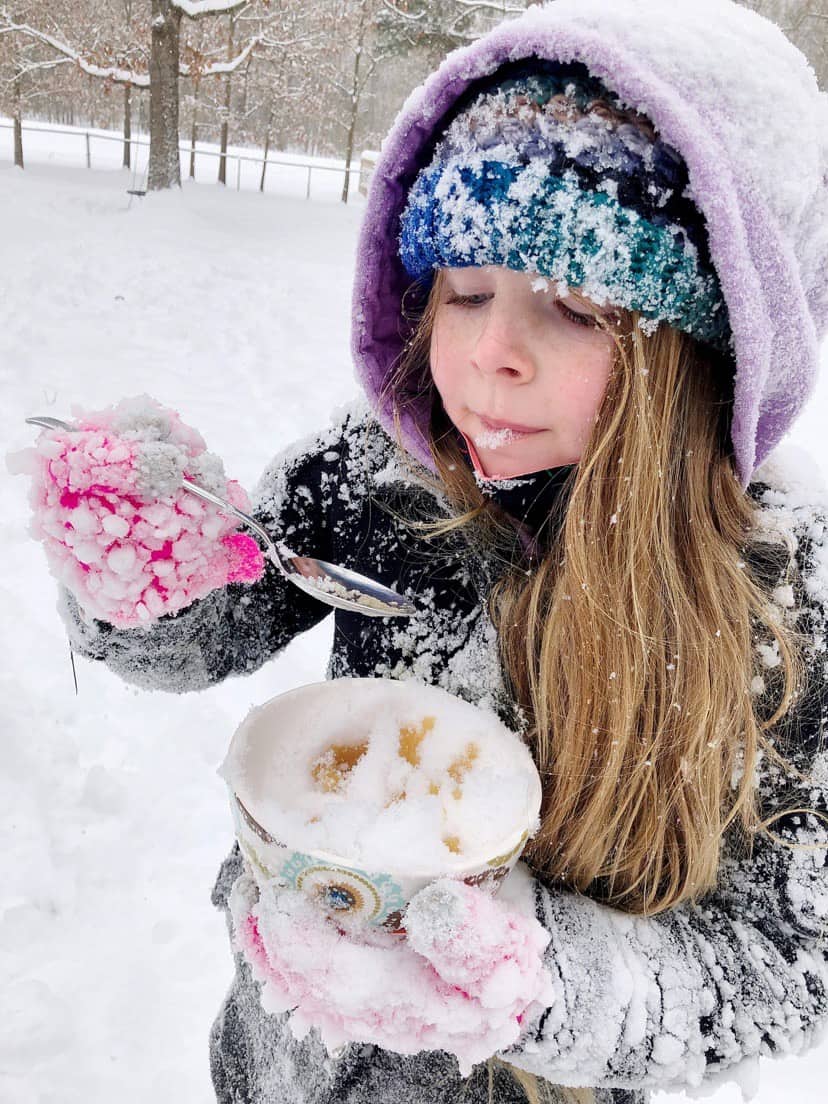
x=589 y=293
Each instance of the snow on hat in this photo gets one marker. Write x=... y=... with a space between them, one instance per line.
x=724 y=87
x=544 y=172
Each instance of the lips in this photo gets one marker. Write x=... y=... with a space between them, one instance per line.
x=494 y=424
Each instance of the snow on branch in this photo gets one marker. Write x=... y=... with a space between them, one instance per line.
x=218 y=67
x=107 y=72
x=194 y=9
x=502 y=9
x=126 y=76
x=408 y=16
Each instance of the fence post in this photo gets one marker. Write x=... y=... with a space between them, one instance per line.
x=88 y=155
x=238 y=174
x=307 y=192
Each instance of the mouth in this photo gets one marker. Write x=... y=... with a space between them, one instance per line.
x=494 y=425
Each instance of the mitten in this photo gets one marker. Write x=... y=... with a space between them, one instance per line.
x=366 y=985
x=479 y=944
x=119 y=529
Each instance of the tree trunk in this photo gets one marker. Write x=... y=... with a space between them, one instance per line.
x=127 y=126
x=18 y=123
x=349 y=152
x=225 y=119
x=164 y=161
x=349 y=145
x=194 y=131
x=268 y=129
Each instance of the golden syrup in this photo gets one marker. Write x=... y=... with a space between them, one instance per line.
x=330 y=771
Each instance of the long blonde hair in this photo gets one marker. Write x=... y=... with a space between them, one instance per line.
x=631 y=642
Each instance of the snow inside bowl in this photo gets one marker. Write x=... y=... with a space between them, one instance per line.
x=359 y=792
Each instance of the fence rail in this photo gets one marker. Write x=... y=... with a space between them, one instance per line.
x=186 y=150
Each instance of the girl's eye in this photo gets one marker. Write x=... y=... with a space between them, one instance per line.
x=588 y=320
x=466 y=300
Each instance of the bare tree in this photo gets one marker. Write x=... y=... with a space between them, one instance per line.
x=22 y=62
x=165 y=68
x=347 y=67
x=129 y=37
x=407 y=38
x=320 y=77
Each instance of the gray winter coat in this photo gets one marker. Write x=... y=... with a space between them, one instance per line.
x=688 y=996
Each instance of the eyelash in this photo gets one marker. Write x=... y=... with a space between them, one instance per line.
x=577 y=319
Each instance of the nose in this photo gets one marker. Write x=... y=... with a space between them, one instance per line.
x=500 y=350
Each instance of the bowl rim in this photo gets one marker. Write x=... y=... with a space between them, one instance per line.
x=460 y=866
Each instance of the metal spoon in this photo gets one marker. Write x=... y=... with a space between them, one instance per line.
x=337 y=586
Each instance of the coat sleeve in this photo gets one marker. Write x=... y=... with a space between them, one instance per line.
x=234 y=630
x=700 y=992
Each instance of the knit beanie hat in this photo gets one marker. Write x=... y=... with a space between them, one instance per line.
x=543 y=171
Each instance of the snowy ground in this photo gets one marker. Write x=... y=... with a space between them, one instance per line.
x=234 y=308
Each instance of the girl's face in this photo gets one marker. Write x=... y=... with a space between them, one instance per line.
x=521 y=372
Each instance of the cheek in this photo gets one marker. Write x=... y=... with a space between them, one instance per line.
x=444 y=361
x=588 y=380
x=580 y=392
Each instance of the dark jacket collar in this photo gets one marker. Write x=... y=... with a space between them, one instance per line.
x=534 y=501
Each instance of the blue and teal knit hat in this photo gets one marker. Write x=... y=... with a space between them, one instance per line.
x=543 y=171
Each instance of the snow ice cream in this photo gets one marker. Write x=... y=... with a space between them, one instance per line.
x=495 y=438
x=362 y=791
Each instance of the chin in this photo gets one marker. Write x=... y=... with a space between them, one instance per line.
x=509 y=467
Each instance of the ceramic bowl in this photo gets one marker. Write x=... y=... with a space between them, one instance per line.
x=337 y=883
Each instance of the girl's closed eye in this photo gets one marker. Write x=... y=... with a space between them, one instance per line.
x=475 y=300
x=589 y=320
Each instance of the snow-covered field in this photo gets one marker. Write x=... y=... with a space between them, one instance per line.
x=233 y=308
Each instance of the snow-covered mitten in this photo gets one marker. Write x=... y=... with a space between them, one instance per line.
x=119 y=529
x=476 y=942
x=366 y=985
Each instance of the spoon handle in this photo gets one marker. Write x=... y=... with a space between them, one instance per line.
x=223 y=504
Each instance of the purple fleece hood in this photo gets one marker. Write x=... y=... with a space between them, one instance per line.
x=739 y=101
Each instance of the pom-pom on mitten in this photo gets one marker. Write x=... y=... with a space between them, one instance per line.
x=119 y=529
x=478 y=943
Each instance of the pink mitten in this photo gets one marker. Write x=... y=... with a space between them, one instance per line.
x=366 y=985
x=118 y=528
x=478 y=943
